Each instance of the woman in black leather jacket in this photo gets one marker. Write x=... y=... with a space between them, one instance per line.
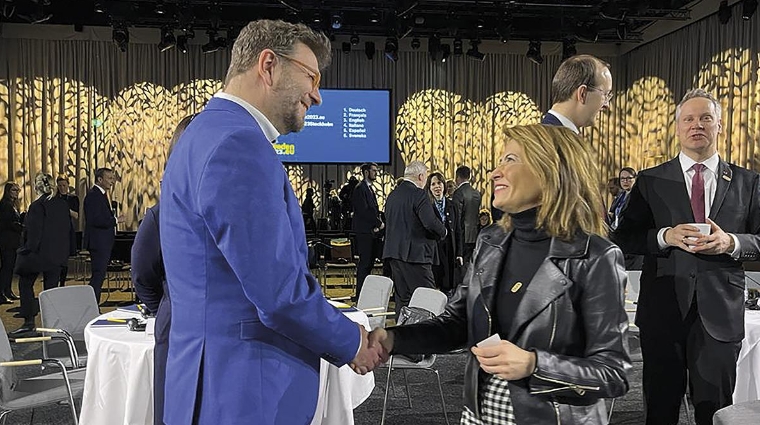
x=547 y=282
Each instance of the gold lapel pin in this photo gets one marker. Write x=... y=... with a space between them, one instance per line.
x=726 y=177
x=516 y=287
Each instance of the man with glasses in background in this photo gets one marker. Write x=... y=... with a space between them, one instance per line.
x=581 y=88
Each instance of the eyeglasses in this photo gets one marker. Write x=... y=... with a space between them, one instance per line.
x=314 y=74
x=627 y=178
x=606 y=95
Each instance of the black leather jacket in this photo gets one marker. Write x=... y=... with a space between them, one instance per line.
x=572 y=316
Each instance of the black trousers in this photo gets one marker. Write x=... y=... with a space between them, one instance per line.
x=29 y=306
x=675 y=347
x=99 y=259
x=7 y=262
x=365 y=246
x=406 y=278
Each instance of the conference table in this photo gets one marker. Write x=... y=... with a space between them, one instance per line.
x=118 y=388
x=748 y=365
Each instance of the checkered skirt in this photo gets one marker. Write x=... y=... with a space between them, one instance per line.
x=495 y=404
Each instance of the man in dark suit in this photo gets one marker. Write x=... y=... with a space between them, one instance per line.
x=690 y=309
x=581 y=87
x=366 y=223
x=467 y=201
x=412 y=233
x=99 y=226
x=73 y=203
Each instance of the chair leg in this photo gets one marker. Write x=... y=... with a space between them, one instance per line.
x=4 y=416
x=686 y=407
x=443 y=400
x=31 y=419
x=387 y=384
x=612 y=407
x=408 y=394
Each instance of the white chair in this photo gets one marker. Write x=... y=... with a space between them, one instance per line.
x=632 y=295
x=68 y=309
x=752 y=280
x=374 y=299
x=433 y=301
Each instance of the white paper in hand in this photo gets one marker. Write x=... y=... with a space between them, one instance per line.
x=490 y=341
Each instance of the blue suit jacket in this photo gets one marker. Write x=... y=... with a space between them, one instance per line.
x=249 y=322
x=550 y=119
x=99 y=222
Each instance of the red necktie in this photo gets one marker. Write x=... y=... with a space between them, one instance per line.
x=698 y=193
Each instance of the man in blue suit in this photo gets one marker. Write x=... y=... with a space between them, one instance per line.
x=99 y=226
x=581 y=88
x=249 y=323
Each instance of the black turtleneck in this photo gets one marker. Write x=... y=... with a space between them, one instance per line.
x=526 y=250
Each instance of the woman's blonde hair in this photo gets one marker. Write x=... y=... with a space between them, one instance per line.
x=568 y=175
x=44 y=184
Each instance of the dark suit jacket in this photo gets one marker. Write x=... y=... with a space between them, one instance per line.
x=148 y=274
x=46 y=231
x=99 y=222
x=73 y=202
x=366 y=211
x=10 y=226
x=412 y=226
x=610 y=219
x=550 y=119
x=454 y=232
x=671 y=277
x=467 y=201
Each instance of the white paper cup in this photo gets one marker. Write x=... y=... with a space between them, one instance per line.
x=704 y=228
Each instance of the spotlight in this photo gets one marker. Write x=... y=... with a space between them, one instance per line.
x=724 y=12
x=415 y=43
x=160 y=8
x=445 y=52
x=480 y=24
x=622 y=30
x=337 y=21
x=374 y=17
x=215 y=43
x=120 y=36
x=346 y=47
x=391 y=48
x=183 y=39
x=534 y=52
x=369 y=49
x=504 y=32
x=748 y=9
x=99 y=7
x=354 y=40
x=457 y=47
x=588 y=32
x=434 y=46
x=167 y=40
x=568 y=48
x=474 y=53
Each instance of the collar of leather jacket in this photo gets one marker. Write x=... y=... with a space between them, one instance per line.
x=496 y=237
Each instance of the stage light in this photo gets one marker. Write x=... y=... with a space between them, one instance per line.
x=99 y=7
x=445 y=52
x=748 y=9
x=724 y=12
x=434 y=47
x=369 y=49
x=354 y=40
x=458 y=47
x=167 y=40
x=160 y=8
x=183 y=39
x=391 y=48
x=345 y=47
x=416 y=43
x=534 y=52
x=474 y=53
x=120 y=36
x=337 y=21
x=215 y=43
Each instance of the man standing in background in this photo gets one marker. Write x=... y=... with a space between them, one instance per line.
x=73 y=201
x=366 y=223
x=467 y=200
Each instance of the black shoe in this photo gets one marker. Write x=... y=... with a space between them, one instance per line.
x=11 y=296
x=4 y=300
x=14 y=309
x=24 y=330
x=19 y=316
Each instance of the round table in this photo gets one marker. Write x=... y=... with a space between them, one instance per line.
x=118 y=388
x=748 y=364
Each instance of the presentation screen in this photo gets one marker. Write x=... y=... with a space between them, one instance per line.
x=350 y=126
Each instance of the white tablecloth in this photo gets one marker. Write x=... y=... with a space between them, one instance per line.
x=118 y=388
x=748 y=365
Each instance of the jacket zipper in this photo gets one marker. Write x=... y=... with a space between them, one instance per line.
x=580 y=389
x=556 y=412
x=554 y=324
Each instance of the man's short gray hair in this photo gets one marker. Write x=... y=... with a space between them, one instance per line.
x=415 y=168
x=279 y=36
x=696 y=93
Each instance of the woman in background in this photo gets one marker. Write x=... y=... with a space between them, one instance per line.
x=10 y=237
x=450 y=248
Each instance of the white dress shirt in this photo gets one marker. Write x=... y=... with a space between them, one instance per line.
x=565 y=121
x=710 y=178
x=270 y=132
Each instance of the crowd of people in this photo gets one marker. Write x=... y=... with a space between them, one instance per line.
x=242 y=323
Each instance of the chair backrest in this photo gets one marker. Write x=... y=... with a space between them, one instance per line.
x=7 y=374
x=376 y=293
x=752 y=280
x=430 y=299
x=69 y=308
x=634 y=285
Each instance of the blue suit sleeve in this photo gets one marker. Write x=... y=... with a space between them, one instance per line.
x=244 y=200
x=147 y=263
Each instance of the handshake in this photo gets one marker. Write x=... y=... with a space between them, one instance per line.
x=375 y=350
